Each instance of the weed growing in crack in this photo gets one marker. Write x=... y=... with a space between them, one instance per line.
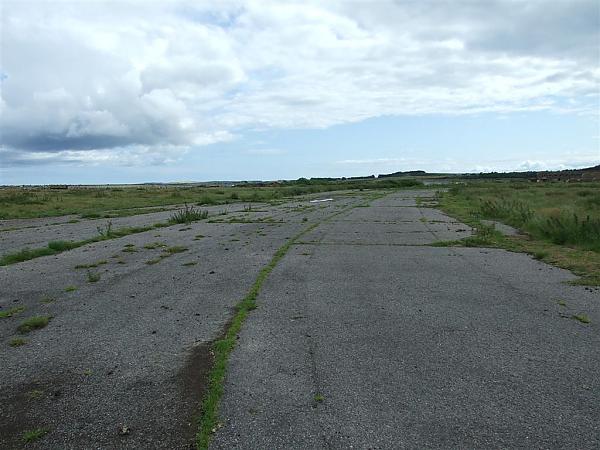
x=33 y=323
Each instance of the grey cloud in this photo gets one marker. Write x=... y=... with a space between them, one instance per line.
x=131 y=83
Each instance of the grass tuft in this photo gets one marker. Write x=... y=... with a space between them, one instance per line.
x=17 y=342
x=175 y=249
x=11 y=312
x=34 y=435
x=93 y=277
x=188 y=214
x=582 y=318
x=33 y=323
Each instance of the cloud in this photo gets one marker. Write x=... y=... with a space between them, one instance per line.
x=128 y=79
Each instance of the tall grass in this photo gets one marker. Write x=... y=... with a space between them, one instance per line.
x=561 y=214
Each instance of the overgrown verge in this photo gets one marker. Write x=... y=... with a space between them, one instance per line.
x=561 y=222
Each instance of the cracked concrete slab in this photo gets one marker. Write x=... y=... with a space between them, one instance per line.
x=375 y=346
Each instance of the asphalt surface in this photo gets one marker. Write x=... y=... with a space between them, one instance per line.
x=365 y=337
x=121 y=363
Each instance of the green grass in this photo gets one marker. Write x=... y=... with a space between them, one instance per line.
x=93 y=277
x=70 y=288
x=559 y=213
x=11 y=312
x=582 y=318
x=175 y=249
x=34 y=435
x=92 y=265
x=17 y=342
x=33 y=323
x=151 y=262
x=154 y=245
x=25 y=255
x=549 y=214
x=319 y=398
x=191 y=263
x=61 y=246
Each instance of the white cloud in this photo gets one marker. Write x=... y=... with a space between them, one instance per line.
x=111 y=78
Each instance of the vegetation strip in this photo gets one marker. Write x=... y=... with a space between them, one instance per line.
x=186 y=215
x=18 y=203
x=562 y=222
x=222 y=348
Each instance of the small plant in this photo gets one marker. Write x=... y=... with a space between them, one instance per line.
x=34 y=435
x=187 y=215
x=33 y=323
x=175 y=249
x=319 y=398
x=92 y=265
x=198 y=237
x=562 y=303
x=87 y=372
x=17 y=342
x=35 y=394
x=46 y=300
x=151 y=262
x=154 y=245
x=70 y=288
x=105 y=231
x=248 y=208
x=93 y=277
x=11 y=312
x=582 y=318
x=191 y=263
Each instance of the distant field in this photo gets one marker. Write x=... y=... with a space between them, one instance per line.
x=561 y=220
x=20 y=203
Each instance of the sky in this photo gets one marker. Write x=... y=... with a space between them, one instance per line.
x=165 y=91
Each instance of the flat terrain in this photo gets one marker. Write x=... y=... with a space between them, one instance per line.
x=365 y=336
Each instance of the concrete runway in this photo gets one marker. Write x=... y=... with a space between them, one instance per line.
x=364 y=337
